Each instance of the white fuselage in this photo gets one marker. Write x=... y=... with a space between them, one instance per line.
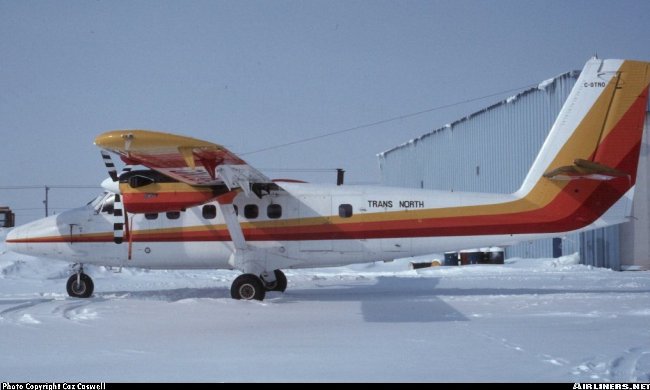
x=198 y=237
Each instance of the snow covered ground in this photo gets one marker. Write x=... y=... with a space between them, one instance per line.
x=528 y=320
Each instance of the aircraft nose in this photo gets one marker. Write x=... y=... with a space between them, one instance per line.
x=21 y=239
x=16 y=238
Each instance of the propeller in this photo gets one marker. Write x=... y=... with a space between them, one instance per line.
x=112 y=184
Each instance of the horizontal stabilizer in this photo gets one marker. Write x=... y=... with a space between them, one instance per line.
x=584 y=169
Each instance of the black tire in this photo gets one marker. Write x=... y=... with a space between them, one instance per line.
x=247 y=287
x=83 y=289
x=280 y=283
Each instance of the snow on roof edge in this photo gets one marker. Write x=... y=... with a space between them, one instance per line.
x=540 y=87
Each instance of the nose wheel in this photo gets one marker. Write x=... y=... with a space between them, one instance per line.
x=80 y=285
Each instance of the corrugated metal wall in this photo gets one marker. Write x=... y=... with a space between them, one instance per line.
x=490 y=151
x=600 y=248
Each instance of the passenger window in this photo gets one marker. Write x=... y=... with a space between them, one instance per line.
x=151 y=216
x=345 y=210
x=274 y=211
x=209 y=211
x=251 y=211
x=173 y=214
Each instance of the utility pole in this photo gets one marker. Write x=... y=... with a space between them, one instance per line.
x=47 y=190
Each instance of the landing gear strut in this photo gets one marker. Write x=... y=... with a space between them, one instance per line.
x=249 y=286
x=80 y=285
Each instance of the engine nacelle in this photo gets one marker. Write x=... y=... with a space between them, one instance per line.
x=147 y=191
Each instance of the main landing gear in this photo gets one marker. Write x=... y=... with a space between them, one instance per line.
x=249 y=286
x=245 y=286
x=79 y=284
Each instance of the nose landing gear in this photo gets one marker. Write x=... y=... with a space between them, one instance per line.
x=80 y=285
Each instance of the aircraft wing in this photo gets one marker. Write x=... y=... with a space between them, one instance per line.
x=185 y=159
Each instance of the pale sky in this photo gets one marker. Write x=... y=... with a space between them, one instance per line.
x=252 y=74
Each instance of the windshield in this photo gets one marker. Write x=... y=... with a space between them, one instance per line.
x=97 y=203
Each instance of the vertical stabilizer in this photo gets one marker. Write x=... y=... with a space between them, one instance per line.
x=588 y=162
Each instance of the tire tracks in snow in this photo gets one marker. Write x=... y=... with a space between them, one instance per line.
x=13 y=313
x=633 y=365
x=77 y=310
x=34 y=311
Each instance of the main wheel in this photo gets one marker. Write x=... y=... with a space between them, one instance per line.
x=82 y=288
x=247 y=287
x=280 y=283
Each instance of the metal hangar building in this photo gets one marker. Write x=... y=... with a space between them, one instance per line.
x=492 y=150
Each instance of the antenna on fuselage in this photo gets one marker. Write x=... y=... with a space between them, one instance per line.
x=340 y=176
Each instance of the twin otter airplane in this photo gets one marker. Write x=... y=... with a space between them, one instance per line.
x=198 y=205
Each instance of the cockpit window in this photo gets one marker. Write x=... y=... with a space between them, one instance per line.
x=96 y=201
x=109 y=204
x=104 y=203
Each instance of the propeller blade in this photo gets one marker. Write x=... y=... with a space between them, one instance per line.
x=110 y=167
x=112 y=185
x=118 y=219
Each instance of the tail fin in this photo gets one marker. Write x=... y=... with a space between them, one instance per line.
x=588 y=162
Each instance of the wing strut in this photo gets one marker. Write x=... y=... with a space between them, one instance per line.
x=234 y=228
